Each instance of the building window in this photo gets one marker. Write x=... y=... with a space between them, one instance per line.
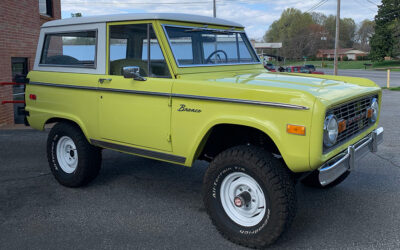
x=73 y=49
x=46 y=7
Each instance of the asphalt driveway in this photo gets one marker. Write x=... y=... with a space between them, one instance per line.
x=140 y=203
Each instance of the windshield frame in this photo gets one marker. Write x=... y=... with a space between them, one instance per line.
x=251 y=51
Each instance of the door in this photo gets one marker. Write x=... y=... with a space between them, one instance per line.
x=132 y=111
x=19 y=69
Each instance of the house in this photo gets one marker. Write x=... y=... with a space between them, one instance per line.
x=20 y=23
x=351 y=53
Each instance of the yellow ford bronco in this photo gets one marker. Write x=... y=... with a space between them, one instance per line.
x=180 y=88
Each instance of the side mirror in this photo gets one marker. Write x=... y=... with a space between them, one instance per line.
x=132 y=72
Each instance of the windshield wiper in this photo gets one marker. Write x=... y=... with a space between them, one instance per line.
x=197 y=29
x=223 y=31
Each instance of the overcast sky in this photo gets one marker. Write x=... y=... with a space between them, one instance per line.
x=255 y=15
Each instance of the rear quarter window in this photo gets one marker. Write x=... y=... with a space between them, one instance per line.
x=72 y=49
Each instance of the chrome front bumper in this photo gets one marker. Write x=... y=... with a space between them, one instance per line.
x=347 y=160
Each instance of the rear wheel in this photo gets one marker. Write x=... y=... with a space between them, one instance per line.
x=72 y=159
x=249 y=195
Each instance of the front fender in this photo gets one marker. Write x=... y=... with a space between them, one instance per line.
x=293 y=148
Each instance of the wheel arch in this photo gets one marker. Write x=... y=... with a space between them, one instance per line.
x=211 y=132
x=76 y=122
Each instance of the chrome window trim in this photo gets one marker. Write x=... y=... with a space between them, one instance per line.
x=207 y=65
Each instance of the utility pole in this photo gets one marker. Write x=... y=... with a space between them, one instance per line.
x=337 y=38
x=215 y=8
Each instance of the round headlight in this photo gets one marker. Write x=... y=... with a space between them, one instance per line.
x=330 y=130
x=375 y=109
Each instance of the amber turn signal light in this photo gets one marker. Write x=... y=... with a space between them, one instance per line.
x=342 y=126
x=370 y=112
x=296 y=129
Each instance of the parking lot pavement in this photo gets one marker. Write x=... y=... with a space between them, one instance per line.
x=140 y=203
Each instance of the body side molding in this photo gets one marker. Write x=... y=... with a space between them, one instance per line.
x=197 y=97
x=139 y=151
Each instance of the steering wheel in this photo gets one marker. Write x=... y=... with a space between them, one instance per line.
x=208 y=60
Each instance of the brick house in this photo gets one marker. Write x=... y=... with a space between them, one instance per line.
x=349 y=52
x=20 y=23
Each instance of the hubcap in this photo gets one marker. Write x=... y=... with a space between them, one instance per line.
x=67 y=155
x=243 y=199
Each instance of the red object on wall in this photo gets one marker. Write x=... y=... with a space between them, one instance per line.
x=20 y=23
x=10 y=83
x=5 y=102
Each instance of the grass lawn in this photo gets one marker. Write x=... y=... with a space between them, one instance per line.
x=350 y=64
x=393 y=89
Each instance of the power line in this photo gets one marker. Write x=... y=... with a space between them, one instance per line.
x=373 y=3
x=141 y=3
x=362 y=5
x=317 y=5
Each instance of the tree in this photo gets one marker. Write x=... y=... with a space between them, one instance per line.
x=364 y=34
x=385 y=41
x=347 y=31
x=76 y=14
x=296 y=30
x=301 y=33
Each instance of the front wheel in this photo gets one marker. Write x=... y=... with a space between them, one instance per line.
x=249 y=195
x=72 y=159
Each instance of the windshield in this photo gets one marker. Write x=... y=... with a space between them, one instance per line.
x=194 y=46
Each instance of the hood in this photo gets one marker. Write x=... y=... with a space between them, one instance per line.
x=327 y=88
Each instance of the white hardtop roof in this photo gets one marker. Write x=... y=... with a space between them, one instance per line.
x=141 y=16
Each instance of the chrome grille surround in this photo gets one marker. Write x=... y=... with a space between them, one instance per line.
x=355 y=114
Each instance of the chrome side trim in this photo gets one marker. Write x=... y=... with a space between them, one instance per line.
x=63 y=85
x=197 y=97
x=221 y=99
x=101 y=89
x=139 y=151
x=137 y=92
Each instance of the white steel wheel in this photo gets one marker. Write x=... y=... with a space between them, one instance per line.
x=243 y=199
x=67 y=154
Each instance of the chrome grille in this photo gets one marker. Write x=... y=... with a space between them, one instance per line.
x=355 y=114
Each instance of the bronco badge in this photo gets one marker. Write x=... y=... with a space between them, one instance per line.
x=183 y=108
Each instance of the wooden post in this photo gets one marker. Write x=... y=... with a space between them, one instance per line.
x=335 y=62
x=388 y=79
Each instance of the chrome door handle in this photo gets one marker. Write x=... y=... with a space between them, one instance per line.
x=104 y=80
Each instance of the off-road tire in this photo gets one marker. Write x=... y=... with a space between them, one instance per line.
x=276 y=182
x=312 y=180
x=89 y=156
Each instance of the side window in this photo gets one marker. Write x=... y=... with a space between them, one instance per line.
x=75 y=49
x=129 y=46
x=46 y=7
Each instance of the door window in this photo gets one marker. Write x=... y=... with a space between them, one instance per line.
x=129 y=46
